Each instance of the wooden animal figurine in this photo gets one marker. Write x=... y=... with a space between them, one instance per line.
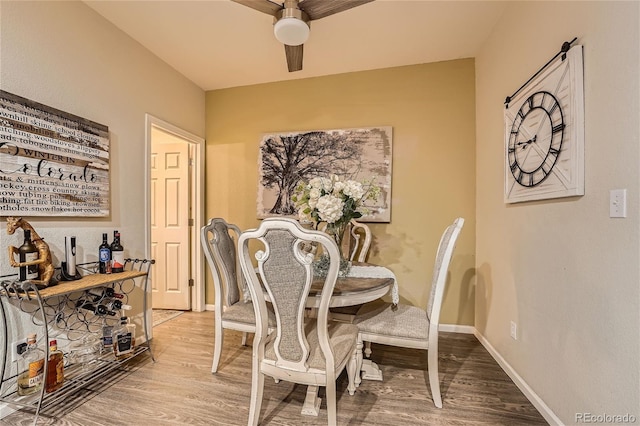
x=45 y=265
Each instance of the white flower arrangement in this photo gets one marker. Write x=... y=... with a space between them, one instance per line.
x=333 y=200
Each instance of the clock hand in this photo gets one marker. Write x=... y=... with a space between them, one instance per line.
x=530 y=141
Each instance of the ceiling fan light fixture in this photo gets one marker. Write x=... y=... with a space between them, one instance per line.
x=291 y=31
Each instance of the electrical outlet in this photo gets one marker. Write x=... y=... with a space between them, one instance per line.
x=16 y=348
x=514 y=331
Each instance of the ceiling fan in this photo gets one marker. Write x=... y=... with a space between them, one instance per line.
x=292 y=19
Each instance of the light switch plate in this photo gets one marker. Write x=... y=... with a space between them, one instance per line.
x=618 y=203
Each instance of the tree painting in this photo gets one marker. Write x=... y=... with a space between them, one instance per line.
x=285 y=159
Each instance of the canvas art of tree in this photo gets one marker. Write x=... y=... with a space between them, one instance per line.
x=287 y=158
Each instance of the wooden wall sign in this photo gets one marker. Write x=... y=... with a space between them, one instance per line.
x=52 y=163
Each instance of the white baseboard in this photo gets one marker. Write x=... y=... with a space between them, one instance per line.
x=209 y=307
x=455 y=328
x=533 y=397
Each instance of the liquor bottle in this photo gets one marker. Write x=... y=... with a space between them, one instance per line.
x=31 y=367
x=100 y=293
x=97 y=309
x=107 y=336
x=27 y=252
x=55 y=368
x=124 y=339
x=117 y=254
x=104 y=256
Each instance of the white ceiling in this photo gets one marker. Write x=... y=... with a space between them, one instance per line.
x=219 y=43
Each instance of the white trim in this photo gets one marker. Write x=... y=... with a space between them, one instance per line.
x=209 y=307
x=533 y=397
x=197 y=264
x=455 y=328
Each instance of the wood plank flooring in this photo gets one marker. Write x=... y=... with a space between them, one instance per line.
x=179 y=388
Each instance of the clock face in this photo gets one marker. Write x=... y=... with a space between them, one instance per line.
x=535 y=140
x=544 y=134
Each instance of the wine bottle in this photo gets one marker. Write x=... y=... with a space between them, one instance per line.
x=100 y=293
x=55 y=368
x=117 y=254
x=117 y=304
x=104 y=254
x=97 y=309
x=27 y=252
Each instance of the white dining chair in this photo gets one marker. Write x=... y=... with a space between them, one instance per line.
x=410 y=326
x=356 y=241
x=360 y=241
x=232 y=310
x=311 y=351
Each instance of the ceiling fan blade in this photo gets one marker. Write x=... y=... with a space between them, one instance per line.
x=317 y=9
x=294 y=57
x=264 y=6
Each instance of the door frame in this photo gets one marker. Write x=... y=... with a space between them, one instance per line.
x=197 y=202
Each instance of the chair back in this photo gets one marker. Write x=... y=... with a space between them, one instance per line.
x=218 y=240
x=356 y=240
x=360 y=241
x=285 y=270
x=440 y=269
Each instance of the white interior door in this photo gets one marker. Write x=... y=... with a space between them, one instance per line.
x=170 y=225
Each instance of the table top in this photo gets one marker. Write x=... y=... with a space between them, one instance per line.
x=351 y=290
x=356 y=288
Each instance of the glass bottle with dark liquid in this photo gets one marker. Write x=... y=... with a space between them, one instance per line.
x=104 y=256
x=117 y=254
x=28 y=252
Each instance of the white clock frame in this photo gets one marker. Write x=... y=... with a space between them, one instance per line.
x=564 y=79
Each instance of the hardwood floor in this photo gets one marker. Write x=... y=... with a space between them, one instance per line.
x=179 y=388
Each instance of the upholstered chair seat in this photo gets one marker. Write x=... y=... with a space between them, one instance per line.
x=342 y=338
x=407 y=322
x=243 y=313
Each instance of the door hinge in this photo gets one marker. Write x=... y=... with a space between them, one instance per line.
x=191 y=222
x=191 y=283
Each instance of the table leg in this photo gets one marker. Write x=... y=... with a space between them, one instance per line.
x=370 y=370
x=311 y=406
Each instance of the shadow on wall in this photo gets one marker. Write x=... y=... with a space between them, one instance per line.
x=392 y=249
x=484 y=290
x=467 y=288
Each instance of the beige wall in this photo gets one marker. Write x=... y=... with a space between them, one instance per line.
x=66 y=56
x=431 y=110
x=562 y=269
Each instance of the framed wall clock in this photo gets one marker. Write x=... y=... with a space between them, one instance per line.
x=544 y=133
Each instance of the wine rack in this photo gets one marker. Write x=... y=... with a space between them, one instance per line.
x=59 y=307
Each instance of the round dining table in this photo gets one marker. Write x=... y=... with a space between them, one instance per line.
x=350 y=291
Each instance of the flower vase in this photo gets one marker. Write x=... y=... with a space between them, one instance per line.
x=337 y=232
x=321 y=266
